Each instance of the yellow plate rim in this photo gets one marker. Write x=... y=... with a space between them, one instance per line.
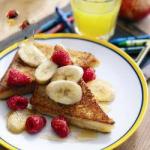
x=117 y=50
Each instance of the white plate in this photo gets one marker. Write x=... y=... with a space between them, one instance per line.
x=127 y=109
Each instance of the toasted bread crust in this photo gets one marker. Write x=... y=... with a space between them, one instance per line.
x=7 y=91
x=87 y=108
x=79 y=122
x=81 y=58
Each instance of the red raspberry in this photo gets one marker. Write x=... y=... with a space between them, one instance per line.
x=17 y=78
x=35 y=124
x=12 y=14
x=24 y=24
x=17 y=102
x=60 y=126
x=61 y=56
x=62 y=118
x=89 y=74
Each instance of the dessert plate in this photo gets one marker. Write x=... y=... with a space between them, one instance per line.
x=127 y=109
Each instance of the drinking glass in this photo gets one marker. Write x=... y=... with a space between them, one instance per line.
x=95 y=18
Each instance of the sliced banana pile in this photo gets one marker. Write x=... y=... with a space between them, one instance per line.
x=64 y=87
x=16 y=120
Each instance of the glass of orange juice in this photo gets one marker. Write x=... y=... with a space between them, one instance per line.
x=96 y=18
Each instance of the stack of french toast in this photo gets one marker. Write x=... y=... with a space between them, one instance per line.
x=61 y=82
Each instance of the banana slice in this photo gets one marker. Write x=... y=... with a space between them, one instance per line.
x=70 y=72
x=64 y=92
x=104 y=106
x=102 y=90
x=16 y=121
x=45 y=71
x=30 y=54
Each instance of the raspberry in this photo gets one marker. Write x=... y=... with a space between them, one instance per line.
x=17 y=102
x=89 y=74
x=35 y=124
x=24 y=24
x=16 y=78
x=60 y=126
x=12 y=14
x=62 y=118
x=61 y=56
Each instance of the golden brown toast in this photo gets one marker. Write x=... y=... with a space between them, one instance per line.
x=85 y=114
x=83 y=59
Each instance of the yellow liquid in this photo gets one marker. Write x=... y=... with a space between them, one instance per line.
x=95 y=19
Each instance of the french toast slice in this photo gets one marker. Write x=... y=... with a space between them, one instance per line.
x=83 y=59
x=85 y=113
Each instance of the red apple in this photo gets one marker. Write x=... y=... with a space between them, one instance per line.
x=134 y=10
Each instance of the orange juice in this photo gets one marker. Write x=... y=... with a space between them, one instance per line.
x=96 y=18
